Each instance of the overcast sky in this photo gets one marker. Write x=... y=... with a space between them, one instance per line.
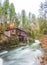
x=29 y=5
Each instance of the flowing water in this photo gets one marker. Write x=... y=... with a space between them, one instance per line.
x=21 y=56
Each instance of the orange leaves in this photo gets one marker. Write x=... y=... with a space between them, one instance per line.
x=11 y=26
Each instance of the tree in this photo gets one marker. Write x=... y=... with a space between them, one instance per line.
x=1 y=17
x=12 y=12
x=5 y=11
x=33 y=18
x=17 y=21
x=45 y=9
x=29 y=17
x=0 y=12
x=41 y=10
x=23 y=16
x=43 y=17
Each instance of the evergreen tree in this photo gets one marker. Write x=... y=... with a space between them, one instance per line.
x=12 y=12
x=23 y=15
x=5 y=11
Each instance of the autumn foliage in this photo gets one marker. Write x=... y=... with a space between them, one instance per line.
x=11 y=26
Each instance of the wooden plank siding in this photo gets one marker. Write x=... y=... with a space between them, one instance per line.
x=16 y=32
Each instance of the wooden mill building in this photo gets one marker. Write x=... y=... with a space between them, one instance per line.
x=16 y=32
